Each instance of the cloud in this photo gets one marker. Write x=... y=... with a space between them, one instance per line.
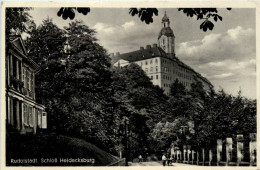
x=224 y=75
x=128 y=25
x=125 y=37
x=236 y=43
x=228 y=56
x=104 y=28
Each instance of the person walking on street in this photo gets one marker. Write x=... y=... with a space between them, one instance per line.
x=140 y=158
x=164 y=159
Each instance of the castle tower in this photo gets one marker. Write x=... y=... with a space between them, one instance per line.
x=166 y=37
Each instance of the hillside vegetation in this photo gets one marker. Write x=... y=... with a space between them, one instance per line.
x=48 y=147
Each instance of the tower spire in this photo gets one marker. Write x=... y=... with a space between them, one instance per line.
x=165 y=20
x=166 y=36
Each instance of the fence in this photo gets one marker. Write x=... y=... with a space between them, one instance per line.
x=228 y=152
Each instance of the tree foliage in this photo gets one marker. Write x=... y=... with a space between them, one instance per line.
x=70 y=12
x=203 y=117
x=18 y=19
x=146 y=14
x=86 y=97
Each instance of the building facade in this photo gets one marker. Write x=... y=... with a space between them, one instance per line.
x=160 y=62
x=23 y=114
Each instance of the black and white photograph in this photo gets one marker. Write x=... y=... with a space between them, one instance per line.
x=157 y=84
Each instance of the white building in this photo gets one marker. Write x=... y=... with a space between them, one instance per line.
x=160 y=62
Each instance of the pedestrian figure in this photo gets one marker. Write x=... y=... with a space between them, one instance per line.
x=164 y=159
x=140 y=158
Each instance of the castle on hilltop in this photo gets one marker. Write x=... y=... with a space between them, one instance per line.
x=160 y=62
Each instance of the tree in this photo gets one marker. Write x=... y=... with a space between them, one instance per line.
x=144 y=103
x=89 y=87
x=45 y=47
x=74 y=86
x=177 y=89
x=146 y=14
x=18 y=19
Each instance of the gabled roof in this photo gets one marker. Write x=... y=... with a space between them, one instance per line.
x=18 y=43
x=140 y=55
x=18 y=46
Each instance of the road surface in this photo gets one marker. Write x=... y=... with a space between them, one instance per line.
x=155 y=163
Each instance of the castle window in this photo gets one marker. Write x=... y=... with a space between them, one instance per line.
x=156 y=61
x=156 y=76
x=151 y=69
x=151 y=62
x=156 y=68
x=146 y=63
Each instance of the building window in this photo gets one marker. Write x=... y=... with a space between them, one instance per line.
x=156 y=68
x=156 y=76
x=23 y=73
x=30 y=116
x=156 y=61
x=151 y=69
x=146 y=63
x=151 y=77
x=151 y=62
x=27 y=79
x=14 y=66
x=32 y=82
x=25 y=114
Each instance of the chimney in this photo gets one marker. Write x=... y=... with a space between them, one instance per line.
x=141 y=48
x=154 y=45
x=117 y=53
x=148 y=47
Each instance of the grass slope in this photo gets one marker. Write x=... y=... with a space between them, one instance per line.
x=48 y=149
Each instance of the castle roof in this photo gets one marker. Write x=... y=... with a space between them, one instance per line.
x=167 y=31
x=141 y=54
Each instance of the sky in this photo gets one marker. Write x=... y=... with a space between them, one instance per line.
x=226 y=56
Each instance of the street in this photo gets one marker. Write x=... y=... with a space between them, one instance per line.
x=155 y=163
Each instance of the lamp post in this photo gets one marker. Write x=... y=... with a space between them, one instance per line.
x=126 y=140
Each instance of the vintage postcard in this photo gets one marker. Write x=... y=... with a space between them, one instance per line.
x=144 y=84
